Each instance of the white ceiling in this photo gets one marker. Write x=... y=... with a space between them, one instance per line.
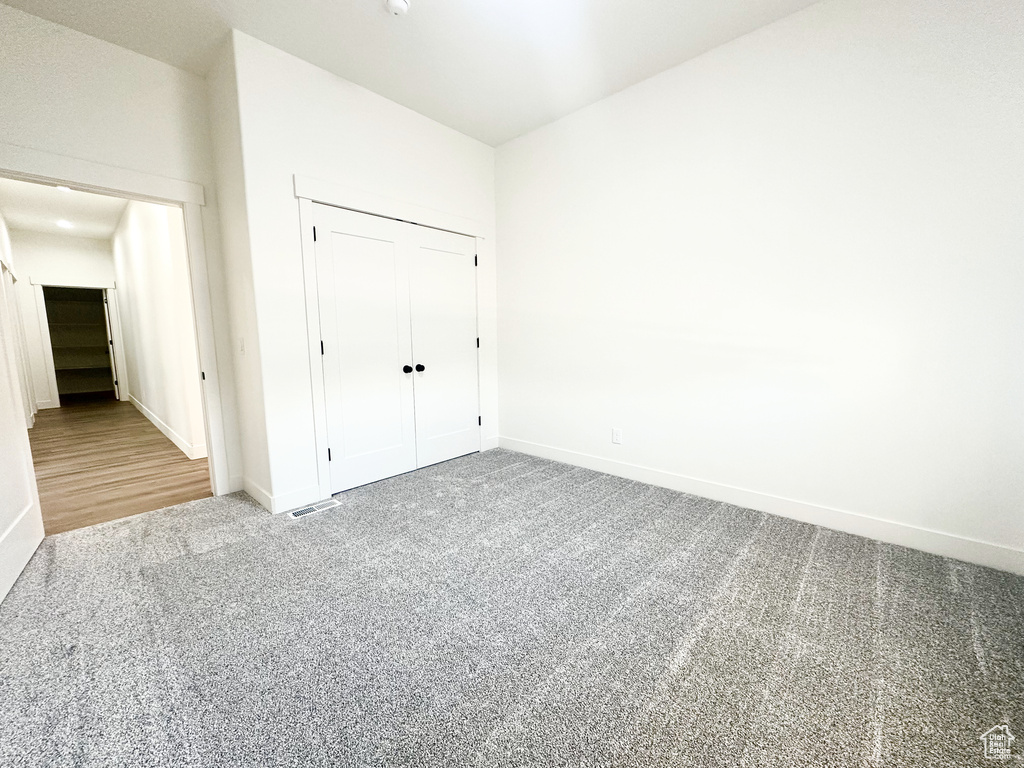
x=38 y=208
x=492 y=69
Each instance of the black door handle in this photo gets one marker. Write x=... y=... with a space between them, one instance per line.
x=420 y=368
x=406 y=369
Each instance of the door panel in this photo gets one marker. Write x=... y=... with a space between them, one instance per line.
x=110 y=345
x=442 y=285
x=364 y=315
x=21 y=520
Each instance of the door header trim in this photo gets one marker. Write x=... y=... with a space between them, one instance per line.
x=27 y=164
x=361 y=201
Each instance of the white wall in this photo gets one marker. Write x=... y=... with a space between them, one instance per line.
x=21 y=522
x=72 y=95
x=791 y=272
x=225 y=128
x=157 y=323
x=51 y=259
x=294 y=118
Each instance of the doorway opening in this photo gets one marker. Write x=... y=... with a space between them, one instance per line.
x=107 y=351
x=82 y=341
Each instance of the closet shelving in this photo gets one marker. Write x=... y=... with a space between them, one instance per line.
x=78 y=336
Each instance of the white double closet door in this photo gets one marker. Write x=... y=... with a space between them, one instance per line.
x=398 y=322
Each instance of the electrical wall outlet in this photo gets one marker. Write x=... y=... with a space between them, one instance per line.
x=616 y=436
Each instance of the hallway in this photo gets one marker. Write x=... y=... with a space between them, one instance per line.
x=100 y=461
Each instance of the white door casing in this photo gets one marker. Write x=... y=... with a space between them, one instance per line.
x=394 y=297
x=48 y=168
x=108 y=318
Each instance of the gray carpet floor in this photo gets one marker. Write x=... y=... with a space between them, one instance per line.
x=502 y=610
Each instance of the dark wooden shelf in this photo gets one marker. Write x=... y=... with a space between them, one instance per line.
x=78 y=337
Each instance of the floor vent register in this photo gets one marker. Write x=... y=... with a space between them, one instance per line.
x=320 y=506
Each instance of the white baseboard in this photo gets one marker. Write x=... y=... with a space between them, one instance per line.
x=236 y=483
x=284 y=501
x=262 y=497
x=42 y=405
x=17 y=545
x=193 y=451
x=295 y=499
x=935 y=542
x=488 y=443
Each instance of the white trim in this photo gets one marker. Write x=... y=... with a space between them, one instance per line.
x=286 y=502
x=206 y=349
x=22 y=348
x=96 y=285
x=355 y=199
x=18 y=543
x=479 y=333
x=189 y=449
x=295 y=499
x=53 y=401
x=316 y=360
x=111 y=322
x=935 y=542
x=48 y=168
x=262 y=497
x=120 y=363
x=27 y=164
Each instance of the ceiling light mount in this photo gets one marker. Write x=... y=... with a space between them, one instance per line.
x=397 y=7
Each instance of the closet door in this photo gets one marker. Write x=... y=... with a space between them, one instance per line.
x=442 y=284
x=362 y=285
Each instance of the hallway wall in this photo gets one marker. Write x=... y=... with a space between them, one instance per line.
x=158 y=325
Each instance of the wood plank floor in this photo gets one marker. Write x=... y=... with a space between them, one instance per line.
x=102 y=461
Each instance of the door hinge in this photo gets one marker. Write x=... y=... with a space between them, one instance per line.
x=321 y=346
x=476 y=263
x=203 y=374
x=314 y=234
x=480 y=421
x=328 y=454
x=115 y=382
x=478 y=342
